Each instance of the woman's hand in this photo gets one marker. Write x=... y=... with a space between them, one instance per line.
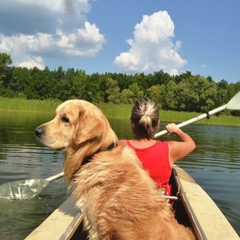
x=172 y=128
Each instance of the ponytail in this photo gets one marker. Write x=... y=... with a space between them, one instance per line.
x=145 y=117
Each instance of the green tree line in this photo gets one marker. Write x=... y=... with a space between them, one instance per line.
x=184 y=92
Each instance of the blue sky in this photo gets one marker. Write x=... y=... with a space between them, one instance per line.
x=128 y=36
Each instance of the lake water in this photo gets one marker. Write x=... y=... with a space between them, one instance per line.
x=215 y=165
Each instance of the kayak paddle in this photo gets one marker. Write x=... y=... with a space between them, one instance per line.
x=25 y=189
x=233 y=104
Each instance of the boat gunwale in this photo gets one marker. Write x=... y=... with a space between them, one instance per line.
x=197 y=229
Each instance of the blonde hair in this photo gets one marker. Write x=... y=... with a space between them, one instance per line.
x=145 y=118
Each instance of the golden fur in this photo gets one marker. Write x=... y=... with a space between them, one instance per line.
x=117 y=197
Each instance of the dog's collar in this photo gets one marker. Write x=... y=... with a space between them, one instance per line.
x=89 y=158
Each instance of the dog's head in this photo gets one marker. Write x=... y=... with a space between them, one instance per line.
x=78 y=127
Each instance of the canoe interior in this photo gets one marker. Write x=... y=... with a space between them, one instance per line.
x=178 y=206
x=80 y=233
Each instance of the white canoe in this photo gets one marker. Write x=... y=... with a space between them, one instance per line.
x=194 y=208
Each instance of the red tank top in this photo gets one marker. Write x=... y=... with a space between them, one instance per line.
x=155 y=159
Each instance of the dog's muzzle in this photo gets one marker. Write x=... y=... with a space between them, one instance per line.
x=39 y=131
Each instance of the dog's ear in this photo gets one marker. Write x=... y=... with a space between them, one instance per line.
x=89 y=125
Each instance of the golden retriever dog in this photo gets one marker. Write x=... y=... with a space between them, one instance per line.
x=116 y=196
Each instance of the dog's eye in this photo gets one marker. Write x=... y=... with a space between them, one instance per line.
x=64 y=120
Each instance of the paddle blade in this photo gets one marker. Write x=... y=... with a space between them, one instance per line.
x=234 y=103
x=25 y=189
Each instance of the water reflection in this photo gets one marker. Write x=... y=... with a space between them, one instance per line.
x=18 y=218
x=21 y=158
x=215 y=165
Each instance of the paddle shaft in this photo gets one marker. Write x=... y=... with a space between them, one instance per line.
x=204 y=115
x=59 y=175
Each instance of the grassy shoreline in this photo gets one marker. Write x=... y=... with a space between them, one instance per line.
x=111 y=110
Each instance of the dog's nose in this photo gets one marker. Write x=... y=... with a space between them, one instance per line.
x=39 y=131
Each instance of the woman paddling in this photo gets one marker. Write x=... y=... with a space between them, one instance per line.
x=156 y=156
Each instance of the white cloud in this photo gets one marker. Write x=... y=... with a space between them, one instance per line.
x=18 y=47
x=50 y=4
x=33 y=62
x=47 y=29
x=152 y=48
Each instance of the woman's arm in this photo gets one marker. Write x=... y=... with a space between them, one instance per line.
x=178 y=150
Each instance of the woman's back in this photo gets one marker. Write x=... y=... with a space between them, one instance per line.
x=155 y=159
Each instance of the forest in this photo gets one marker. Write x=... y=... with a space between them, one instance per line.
x=183 y=92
